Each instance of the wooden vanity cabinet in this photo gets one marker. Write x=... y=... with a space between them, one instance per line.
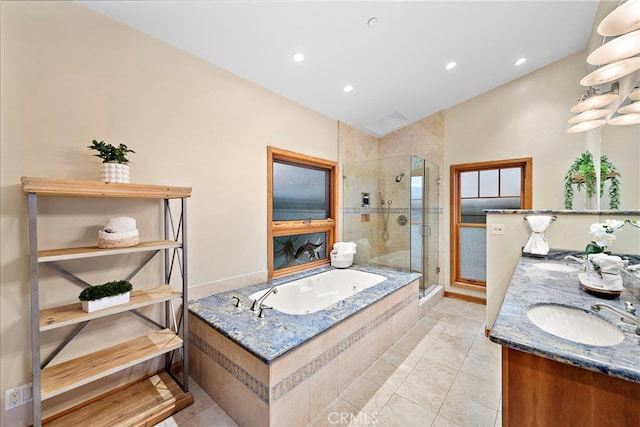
x=541 y=392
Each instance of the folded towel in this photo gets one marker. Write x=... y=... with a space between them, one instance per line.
x=609 y=267
x=537 y=243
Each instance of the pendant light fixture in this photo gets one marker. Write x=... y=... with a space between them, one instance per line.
x=584 y=126
x=611 y=72
x=631 y=108
x=591 y=100
x=622 y=20
x=625 y=119
x=619 y=48
x=618 y=61
x=589 y=115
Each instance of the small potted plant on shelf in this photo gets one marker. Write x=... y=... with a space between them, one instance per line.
x=114 y=166
x=106 y=295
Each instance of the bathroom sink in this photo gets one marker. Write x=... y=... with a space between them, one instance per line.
x=553 y=266
x=575 y=324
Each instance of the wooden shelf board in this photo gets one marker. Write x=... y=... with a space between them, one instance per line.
x=74 y=188
x=50 y=255
x=65 y=376
x=57 y=317
x=143 y=403
x=579 y=179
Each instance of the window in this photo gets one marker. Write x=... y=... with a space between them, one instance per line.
x=474 y=188
x=302 y=203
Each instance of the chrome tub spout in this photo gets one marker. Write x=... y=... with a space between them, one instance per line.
x=257 y=303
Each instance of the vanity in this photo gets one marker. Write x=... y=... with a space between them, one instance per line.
x=552 y=381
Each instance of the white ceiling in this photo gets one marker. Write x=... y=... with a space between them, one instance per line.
x=397 y=68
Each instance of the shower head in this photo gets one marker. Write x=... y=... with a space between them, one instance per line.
x=399 y=177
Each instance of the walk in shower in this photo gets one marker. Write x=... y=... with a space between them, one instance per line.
x=390 y=210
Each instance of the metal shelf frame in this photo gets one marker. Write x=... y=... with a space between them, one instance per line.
x=175 y=254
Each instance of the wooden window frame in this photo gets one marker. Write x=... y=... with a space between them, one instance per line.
x=288 y=228
x=526 y=191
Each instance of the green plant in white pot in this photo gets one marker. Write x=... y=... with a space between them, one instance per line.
x=114 y=166
x=109 y=294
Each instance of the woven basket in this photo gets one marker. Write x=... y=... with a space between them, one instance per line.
x=118 y=240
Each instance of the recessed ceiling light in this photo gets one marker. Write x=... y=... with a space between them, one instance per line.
x=348 y=88
x=520 y=61
x=372 y=22
x=450 y=65
x=298 y=57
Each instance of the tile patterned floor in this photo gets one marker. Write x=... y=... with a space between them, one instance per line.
x=442 y=372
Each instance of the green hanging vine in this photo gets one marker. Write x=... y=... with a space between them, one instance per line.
x=584 y=167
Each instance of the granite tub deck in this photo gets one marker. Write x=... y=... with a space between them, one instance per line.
x=283 y=369
x=552 y=380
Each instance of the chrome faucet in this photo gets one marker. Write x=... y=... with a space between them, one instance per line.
x=627 y=316
x=576 y=259
x=257 y=303
x=628 y=272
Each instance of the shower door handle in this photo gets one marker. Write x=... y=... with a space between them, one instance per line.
x=426 y=230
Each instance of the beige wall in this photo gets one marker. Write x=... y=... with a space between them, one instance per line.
x=70 y=75
x=568 y=231
x=528 y=118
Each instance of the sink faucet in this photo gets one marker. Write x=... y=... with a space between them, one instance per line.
x=581 y=261
x=627 y=316
x=627 y=272
x=257 y=303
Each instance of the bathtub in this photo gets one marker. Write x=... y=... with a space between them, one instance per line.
x=318 y=292
x=284 y=368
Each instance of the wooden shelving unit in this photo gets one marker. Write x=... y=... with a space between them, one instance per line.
x=66 y=315
x=141 y=402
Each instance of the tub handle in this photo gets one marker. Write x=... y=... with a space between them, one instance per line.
x=262 y=309
x=237 y=301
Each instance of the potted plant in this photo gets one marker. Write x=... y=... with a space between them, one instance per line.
x=106 y=295
x=114 y=166
x=583 y=173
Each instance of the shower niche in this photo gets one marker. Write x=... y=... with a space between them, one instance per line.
x=398 y=227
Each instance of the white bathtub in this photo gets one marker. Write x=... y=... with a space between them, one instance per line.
x=317 y=292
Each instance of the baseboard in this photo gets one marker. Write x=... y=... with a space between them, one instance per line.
x=468 y=298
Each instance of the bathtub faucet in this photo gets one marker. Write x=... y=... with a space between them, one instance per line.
x=257 y=303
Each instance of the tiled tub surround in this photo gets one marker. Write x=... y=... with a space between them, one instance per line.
x=283 y=369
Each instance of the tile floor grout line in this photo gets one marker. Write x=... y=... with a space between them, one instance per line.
x=421 y=344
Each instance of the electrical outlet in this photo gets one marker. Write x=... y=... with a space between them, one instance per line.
x=18 y=396
x=497 y=228
x=12 y=398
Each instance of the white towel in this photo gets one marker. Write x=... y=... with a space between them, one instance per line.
x=609 y=266
x=537 y=243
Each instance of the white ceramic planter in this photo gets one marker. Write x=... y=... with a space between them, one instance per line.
x=102 y=303
x=114 y=172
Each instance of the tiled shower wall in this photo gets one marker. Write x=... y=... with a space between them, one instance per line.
x=424 y=138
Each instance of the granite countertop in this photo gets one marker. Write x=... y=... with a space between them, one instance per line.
x=273 y=335
x=560 y=212
x=530 y=285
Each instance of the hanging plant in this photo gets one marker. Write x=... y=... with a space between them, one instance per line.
x=583 y=173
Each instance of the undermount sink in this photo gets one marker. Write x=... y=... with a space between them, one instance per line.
x=553 y=266
x=575 y=324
